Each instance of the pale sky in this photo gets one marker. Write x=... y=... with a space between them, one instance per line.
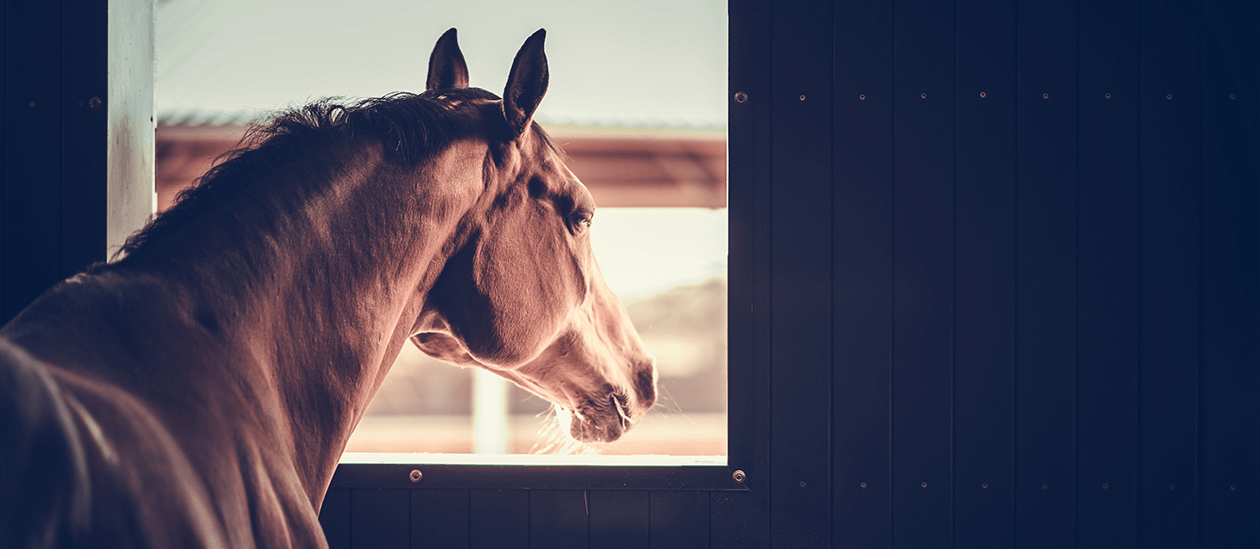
x=646 y=62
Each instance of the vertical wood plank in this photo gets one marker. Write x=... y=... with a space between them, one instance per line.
x=558 y=518
x=800 y=232
x=984 y=292
x=32 y=135
x=1170 y=273
x=85 y=145
x=4 y=162
x=862 y=291
x=748 y=195
x=380 y=518
x=439 y=519
x=1045 y=373
x=923 y=242
x=619 y=519
x=679 y=520
x=498 y=518
x=1229 y=458
x=334 y=517
x=1107 y=375
x=732 y=521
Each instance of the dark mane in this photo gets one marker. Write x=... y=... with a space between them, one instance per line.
x=411 y=127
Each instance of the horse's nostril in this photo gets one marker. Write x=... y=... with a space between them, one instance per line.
x=622 y=417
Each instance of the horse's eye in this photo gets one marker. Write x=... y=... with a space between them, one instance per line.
x=580 y=222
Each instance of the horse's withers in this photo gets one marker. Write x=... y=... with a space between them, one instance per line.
x=523 y=296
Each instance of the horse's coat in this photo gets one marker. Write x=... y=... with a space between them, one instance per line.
x=199 y=391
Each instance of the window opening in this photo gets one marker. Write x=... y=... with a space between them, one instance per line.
x=637 y=99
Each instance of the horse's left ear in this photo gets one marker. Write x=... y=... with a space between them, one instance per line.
x=526 y=85
x=447 y=69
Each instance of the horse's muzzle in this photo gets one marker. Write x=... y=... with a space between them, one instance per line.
x=608 y=414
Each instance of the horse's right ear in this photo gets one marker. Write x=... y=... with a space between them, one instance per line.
x=526 y=85
x=447 y=69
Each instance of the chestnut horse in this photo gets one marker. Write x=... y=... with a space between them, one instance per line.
x=199 y=391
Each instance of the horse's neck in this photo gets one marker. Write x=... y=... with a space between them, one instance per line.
x=298 y=343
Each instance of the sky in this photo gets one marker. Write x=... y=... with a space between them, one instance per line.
x=646 y=63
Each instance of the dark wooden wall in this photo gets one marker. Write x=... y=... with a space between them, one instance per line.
x=77 y=117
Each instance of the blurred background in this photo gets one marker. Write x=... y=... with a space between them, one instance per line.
x=636 y=99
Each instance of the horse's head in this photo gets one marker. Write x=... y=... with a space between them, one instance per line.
x=522 y=296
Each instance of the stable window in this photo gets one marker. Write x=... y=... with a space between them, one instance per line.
x=654 y=159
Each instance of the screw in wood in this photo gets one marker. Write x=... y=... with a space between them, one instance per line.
x=741 y=97
x=416 y=475
x=739 y=476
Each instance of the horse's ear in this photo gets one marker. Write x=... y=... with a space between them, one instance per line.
x=446 y=65
x=527 y=84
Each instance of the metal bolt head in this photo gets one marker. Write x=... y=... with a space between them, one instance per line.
x=1106 y=486
x=1045 y=96
x=1231 y=96
x=802 y=97
x=1107 y=95
x=862 y=97
x=864 y=485
x=924 y=485
x=739 y=476
x=984 y=485
x=415 y=475
x=1169 y=97
x=741 y=97
x=802 y=484
x=1233 y=487
x=982 y=94
x=923 y=95
x=94 y=103
x=1045 y=486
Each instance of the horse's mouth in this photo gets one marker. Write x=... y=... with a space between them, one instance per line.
x=600 y=420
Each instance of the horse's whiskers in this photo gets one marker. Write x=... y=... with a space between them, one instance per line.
x=554 y=437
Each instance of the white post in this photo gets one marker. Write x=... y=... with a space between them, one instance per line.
x=490 y=413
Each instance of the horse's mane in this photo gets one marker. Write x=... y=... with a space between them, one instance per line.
x=411 y=127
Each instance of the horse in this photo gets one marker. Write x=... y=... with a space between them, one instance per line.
x=198 y=389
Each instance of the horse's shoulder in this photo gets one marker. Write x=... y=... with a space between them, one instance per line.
x=43 y=489
x=86 y=460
